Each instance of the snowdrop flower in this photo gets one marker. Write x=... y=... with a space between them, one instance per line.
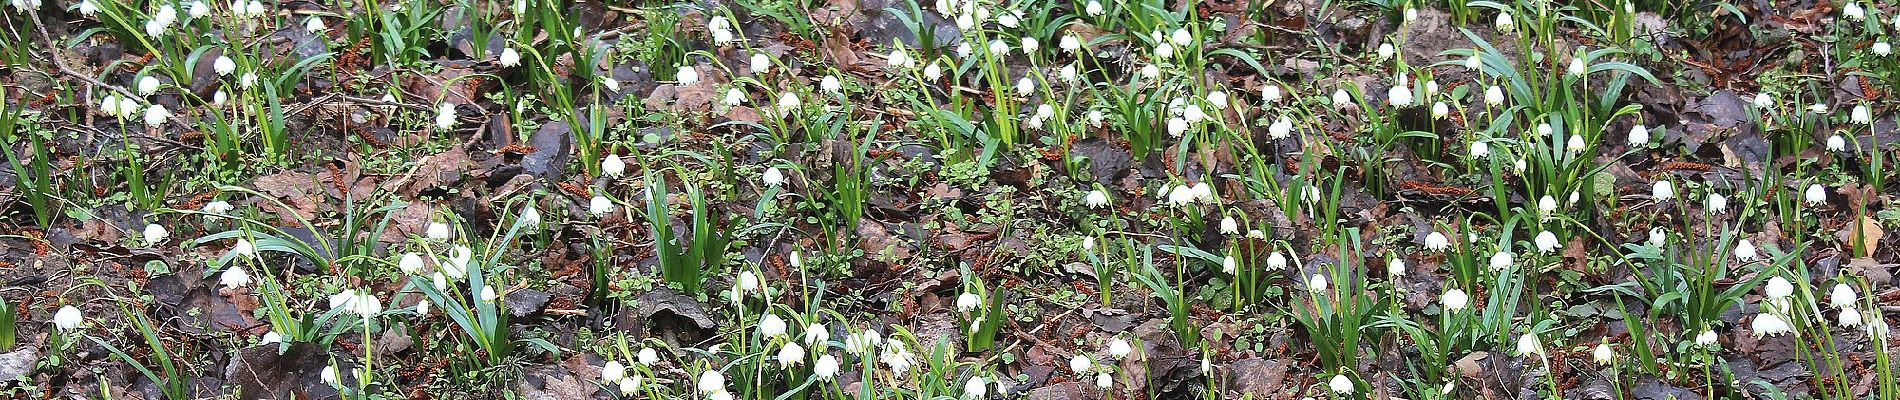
x=1096 y=199
x=1080 y=364
x=1778 y=288
x=1576 y=67
x=1841 y=297
x=1008 y=20
x=1663 y=191
x=148 y=85
x=248 y=80
x=1150 y=71
x=1474 y=62
x=488 y=294
x=1067 y=73
x=110 y=106
x=721 y=30
x=457 y=265
x=1853 y=11
x=224 y=65
x=1088 y=243
x=1763 y=100
x=445 y=116
x=156 y=115
x=826 y=368
x=1276 y=261
x=1494 y=96
x=1850 y=317
x=1341 y=384
x=329 y=376
x=734 y=97
x=1119 y=348
x=1104 y=381
x=1502 y=260
x=1316 y=283
x=1505 y=22
x=1281 y=128
x=613 y=371
x=156 y=27
x=410 y=263
x=897 y=358
x=1395 y=268
x=1399 y=96
x=1575 y=144
x=788 y=101
x=1025 y=86
x=934 y=71
x=1861 y=115
x=790 y=354
x=1217 y=99
x=1745 y=250
x=1658 y=236
x=967 y=302
x=1639 y=136
x=218 y=98
x=1602 y=354
x=1094 y=8
x=1544 y=130
x=1228 y=226
x=1770 y=325
x=1547 y=242
x=830 y=84
x=314 y=25
x=1815 y=195
x=711 y=381
x=1164 y=51
x=1270 y=94
x=648 y=356
x=975 y=388
x=1440 y=110
x=270 y=337
x=1177 y=126
x=898 y=58
x=437 y=231
x=1528 y=344
x=1547 y=204
x=999 y=48
x=1069 y=43
x=686 y=76
x=1385 y=50
x=234 y=278
x=761 y=63
x=1194 y=114
x=1882 y=49
x=509 y=58
x=612 y=165
x=67 y=318
x=1437 y=242
x=1818 y=108
x=1228 y=265
x=243 y=248
x=1836 y=143
x=1706 y=338
x=1030 y=45
x=963 y=49
x=1341 y=98
x=155 y=234
x=88 y=8
x=1718 y=203
x=600 y=205
x=862 y=342
x=749 y=282
x=254 y=8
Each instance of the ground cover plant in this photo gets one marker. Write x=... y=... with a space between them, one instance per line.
x=948 y=199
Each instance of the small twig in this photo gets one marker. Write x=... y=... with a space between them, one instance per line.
x=61 y=63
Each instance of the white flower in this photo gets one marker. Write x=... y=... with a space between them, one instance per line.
x=1815 y=194
x=648 y=356
x=1706 y=338
x=155 y=234
x=1575 y=144
x=1861 y=115
x=999 y=48
x=1228 y=265
x=1493 y=95
x=314 y=25
x=234 y=278
x=254 y=8
x=1437 y=242
x=67 y=318
x=1663 y=190
x=1069 y=43
x=1850 y=317
x=329 y=376
x=224 y=65
x=1547 y=204
x=1841 y=297
x=156 y=114
x=1440 y=110
x=788 y=101
x=243 y=248
x=600 y=205
x=1316 y=283
x=1544 y=130
x=816 y=334
x=1502 y=260
x=613 y=371
x=422 y=308
x=1505 y=22
x=1181 y=37
x=1217 y=99
x=1164 y=51
x=1547 y=242
x=218 y=98
x=1270 y=94
x=1228 y=226
x=711 y=381
x=897 y=357
x=1766 y=324
x=1745 y=250
x=790 y=354
x=761 y=63
x=1576 y=67
x=1385 y=50
x=1080 y=364
x=1280 y=128
x=1341 y=98
x=1119 y=348
x=1602 y=354
x=1836 y=143
x=1818 y=108
x=445 y=116
x=1104 y=381
x=1088 y=243
x=933 y=71
x=1639 y=136
x=1718 y=203
x=898 y=58
x=148 y=85
x=1882 y=49
x=488 y=294
x=748 y=281
x=1025 y=86
x=88 y=8
x=1150 y=71
x=830 y=84
x=509 y=58
x=437 y=231
x=1474 y=62
x=975 y=388
x=967 y=302
x=1399 y=96
x=612 y=165
x=1177 y=126
x=248 y=80
x=1096 y=199
x=826 y=368
x=1030 y=45
x=197 y=9
x=686 y=75
x=271 y=337
x=1763 y=100
x=1658 y=236
x=1341 y=384
x=1395 y=268
x=1853 y=11
x=1778 y=288
x=1094 y=8
x=1528 y=344
x=1067 y=73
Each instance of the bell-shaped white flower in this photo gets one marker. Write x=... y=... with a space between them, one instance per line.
x=155 y=234
x=1842 y=296
x=600 y=205
x=1745 y=250
x=1080 y=364
x=509 y=58
x=1815 y=195
x=1437 y=242
x=968 y=302
x=1340 y=384
x=1547 y=242
x=1663 y=190
x=1769 y=325
x=791 y=354
x=1502 y=260
x=826 y=368
x=686 y=75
